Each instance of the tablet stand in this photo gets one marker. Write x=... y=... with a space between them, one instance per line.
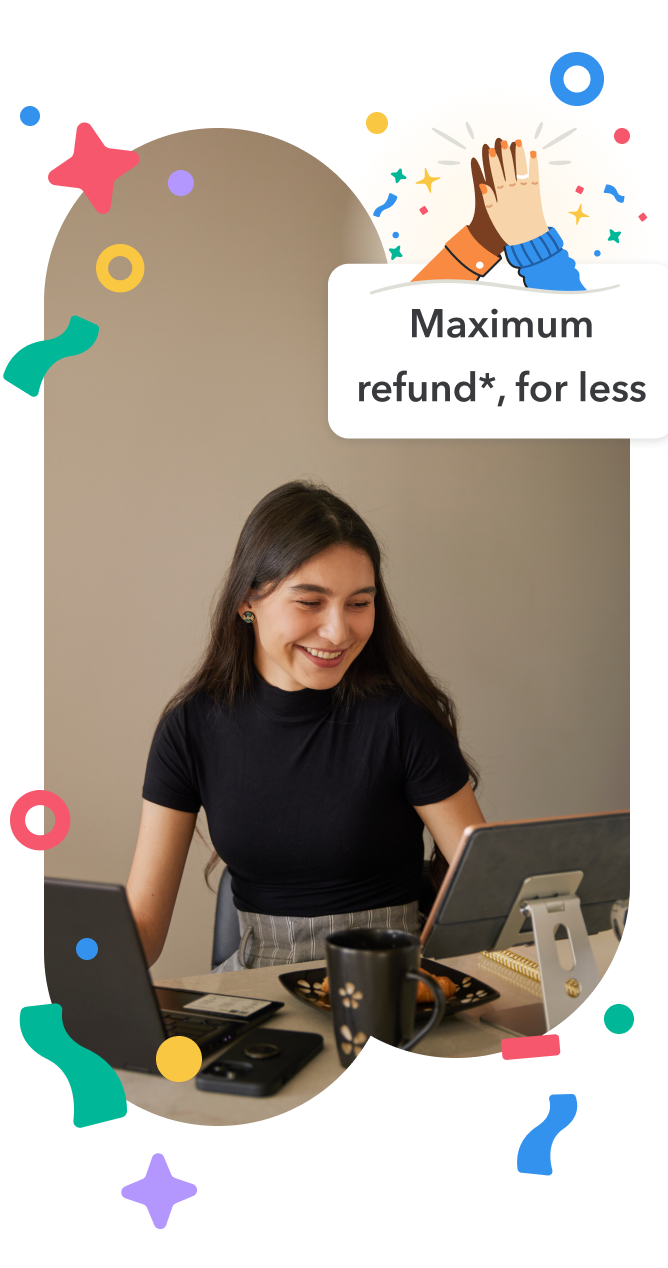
x=546 y=902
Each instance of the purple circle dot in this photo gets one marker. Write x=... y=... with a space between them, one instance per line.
x=180 y=183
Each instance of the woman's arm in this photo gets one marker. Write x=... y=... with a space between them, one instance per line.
x=446 y=820
x=160 y=857
x=471 y=252
x=513 y=203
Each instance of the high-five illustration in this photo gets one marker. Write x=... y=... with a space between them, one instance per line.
x=508 y=215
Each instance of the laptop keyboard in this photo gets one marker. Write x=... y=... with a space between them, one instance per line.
x=208 y=1035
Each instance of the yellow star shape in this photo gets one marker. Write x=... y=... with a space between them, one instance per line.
x=579 y=214
x=428 y=180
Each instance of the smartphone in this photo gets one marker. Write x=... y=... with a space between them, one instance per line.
x=260 y=1063
x=224 y=1006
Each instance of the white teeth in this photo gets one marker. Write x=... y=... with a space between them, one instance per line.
x=323 y=655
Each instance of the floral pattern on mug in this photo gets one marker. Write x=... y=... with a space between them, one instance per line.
x=352 y=1043
x=351 y=997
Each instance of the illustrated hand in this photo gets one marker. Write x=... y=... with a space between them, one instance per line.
x=511 y=192
x=481 y=226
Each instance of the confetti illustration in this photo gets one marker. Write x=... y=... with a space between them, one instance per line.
x=159 y=1191
x=389 y=202
x=579 y=214
x=534 y=1153
x=588 y=94
x=93 y=168
x=96 y=1089
x=428 y=180
x=610 y=189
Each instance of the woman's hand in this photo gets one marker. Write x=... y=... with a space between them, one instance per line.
x=511 y=192
x=481 y=226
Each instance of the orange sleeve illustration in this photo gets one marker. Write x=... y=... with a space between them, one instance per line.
x=462 y=258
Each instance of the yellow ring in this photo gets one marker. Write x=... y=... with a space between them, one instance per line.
x=114 y=283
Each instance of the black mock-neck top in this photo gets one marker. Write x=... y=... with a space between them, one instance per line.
x=309 y=804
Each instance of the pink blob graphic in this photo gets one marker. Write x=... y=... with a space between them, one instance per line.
x=423 y=211
x=531 y=1046
x=105 y=151
x=642 y=216
x=622 y=135
x=32 y=840
x=579 y=189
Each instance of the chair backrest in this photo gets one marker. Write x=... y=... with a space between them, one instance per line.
x=226 y=934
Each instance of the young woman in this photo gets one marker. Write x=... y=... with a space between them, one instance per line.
x=314 y=739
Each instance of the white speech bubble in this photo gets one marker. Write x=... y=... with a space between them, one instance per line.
x=486 y=360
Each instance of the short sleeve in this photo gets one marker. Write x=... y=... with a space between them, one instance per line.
x=170 y=779
x=432 y=760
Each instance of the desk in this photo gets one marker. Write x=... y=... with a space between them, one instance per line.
x=460 y=1036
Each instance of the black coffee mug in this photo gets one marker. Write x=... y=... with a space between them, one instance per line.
x=373 y=976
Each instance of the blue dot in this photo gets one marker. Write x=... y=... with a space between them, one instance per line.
x=86 y=949
x=588 y=94
x=395 y=234
x=30 y=116
x=597 y=252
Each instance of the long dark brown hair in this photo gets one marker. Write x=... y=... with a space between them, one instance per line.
x=288 y=527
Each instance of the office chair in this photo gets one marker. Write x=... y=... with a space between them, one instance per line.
x=226 y=935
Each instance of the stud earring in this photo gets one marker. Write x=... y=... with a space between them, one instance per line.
x=248 y=617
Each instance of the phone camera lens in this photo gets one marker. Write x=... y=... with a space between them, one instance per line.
x=262 y=1051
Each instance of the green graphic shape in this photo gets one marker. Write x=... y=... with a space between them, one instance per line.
x=72 y=1148
x=27 y=368
x=630 y=1107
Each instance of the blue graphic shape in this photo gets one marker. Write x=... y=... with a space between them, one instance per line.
x=648 y=928
x=87 y=948
x=610 y=189
x=395 y=234
x=597 y=252
x=389 y=202
x=533 y=1156
x=30 y=116
x=553 y=1072
x=621 y=90
x=372 y=1087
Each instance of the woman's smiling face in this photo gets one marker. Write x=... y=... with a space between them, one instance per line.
x=311 y=628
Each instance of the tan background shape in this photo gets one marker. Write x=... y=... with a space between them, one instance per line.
x=508 y=560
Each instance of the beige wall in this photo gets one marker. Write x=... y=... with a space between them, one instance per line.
x=207 y=386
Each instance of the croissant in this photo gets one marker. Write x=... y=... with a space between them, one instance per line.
x=424 y=995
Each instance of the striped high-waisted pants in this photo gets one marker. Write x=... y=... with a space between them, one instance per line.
x=269 y=940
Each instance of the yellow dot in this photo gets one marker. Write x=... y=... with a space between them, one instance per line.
x=376 y=122
x=178 y=1059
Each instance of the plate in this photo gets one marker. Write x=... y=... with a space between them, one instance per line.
x=471 y=992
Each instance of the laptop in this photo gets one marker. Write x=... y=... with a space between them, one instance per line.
x=109 y=1002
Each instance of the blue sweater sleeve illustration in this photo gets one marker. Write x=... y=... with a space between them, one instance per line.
x=544 y=265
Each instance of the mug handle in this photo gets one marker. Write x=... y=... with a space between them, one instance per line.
x=416 y=975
